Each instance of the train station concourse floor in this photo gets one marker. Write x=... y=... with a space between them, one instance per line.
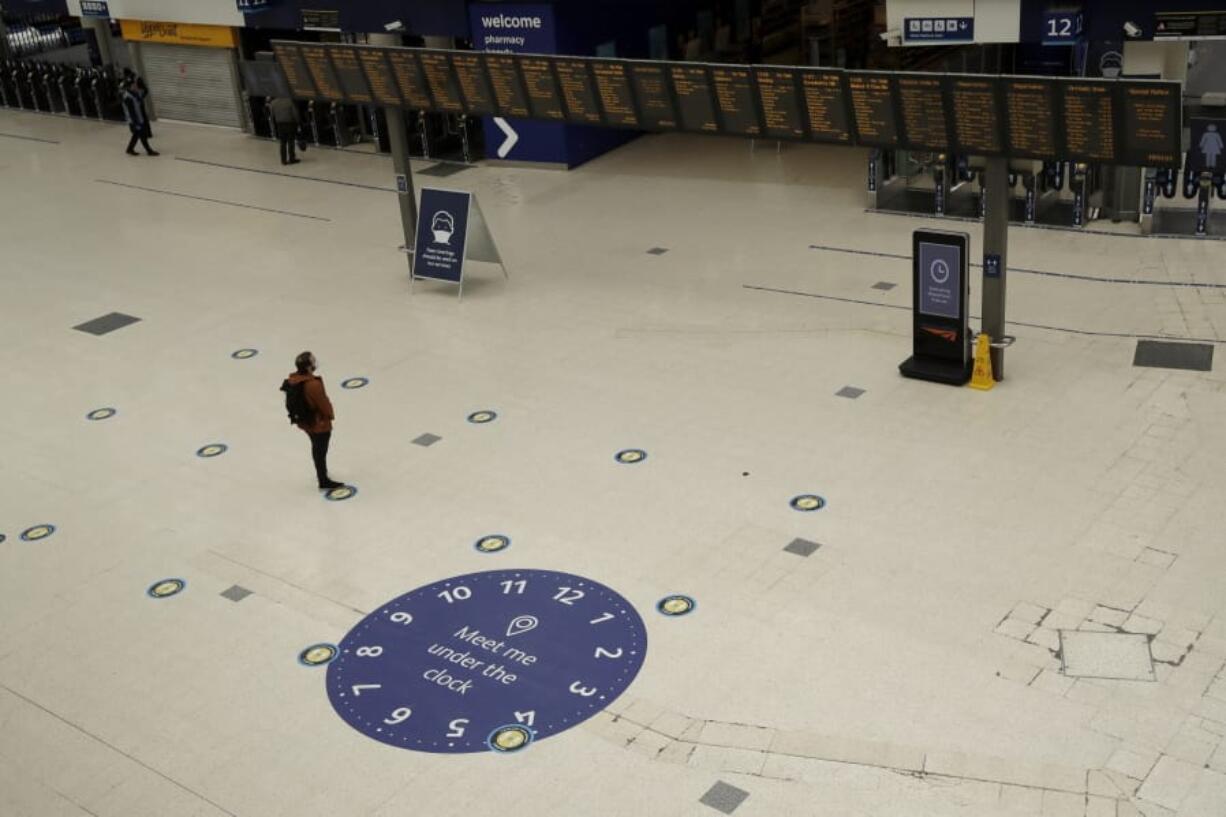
x=651 y=526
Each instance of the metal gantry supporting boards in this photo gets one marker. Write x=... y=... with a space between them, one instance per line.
x=398 y=139
x=995 y=258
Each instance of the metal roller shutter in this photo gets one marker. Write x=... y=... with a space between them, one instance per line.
x=192 y=84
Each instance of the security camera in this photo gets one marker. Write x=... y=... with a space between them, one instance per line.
x=1132 y=30
x=891 y=38
x=394 y=25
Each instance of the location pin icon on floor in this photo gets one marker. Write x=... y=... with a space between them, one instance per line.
x=522 y=624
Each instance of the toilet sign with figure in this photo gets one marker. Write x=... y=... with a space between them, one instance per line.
x=451 y=230
x=1208 y=154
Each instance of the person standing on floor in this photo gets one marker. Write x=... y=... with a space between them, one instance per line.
x=310 y=409
x=288 y=120
x=138 y=118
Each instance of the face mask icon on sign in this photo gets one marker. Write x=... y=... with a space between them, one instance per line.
x=443 y=227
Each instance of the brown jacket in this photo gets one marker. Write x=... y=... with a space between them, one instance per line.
x=317 y=399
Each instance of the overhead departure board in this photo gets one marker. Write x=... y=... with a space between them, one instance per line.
x=1088 y=111
x=470 y=72
x=692 y=87
x=826 y=106
x=443 y=82
x=289 y=57
x=650 y=82
x=872 y=106
x=975 y=102
x=921 y=101
x=327 y=84
x=544 y=98
x=616 y=98
x=779 y=94
x=507 y=86
x=1152 y=124
x=736 y=101
x=1129 y=122
x=352 y=78
x=578 y=92
x=410 y=79
x=379 y=75
x=1032 y=112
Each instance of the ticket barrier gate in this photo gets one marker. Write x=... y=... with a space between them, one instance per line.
x=451 y=137
x=1174 y=220
x=928 y=184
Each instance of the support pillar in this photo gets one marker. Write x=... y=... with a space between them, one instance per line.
x=101 y=26
x=398 y=139
x=996 y=257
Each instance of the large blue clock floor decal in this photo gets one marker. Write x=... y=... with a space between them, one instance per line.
x=446 y=667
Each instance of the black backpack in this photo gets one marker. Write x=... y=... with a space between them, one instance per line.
x=296 y=405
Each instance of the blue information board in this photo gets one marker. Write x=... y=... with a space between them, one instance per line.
x=938 y=29
x=442 y=235
x=487 y=661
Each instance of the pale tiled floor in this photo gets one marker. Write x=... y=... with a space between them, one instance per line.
x=907 y=667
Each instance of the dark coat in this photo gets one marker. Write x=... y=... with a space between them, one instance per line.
x=134 y=111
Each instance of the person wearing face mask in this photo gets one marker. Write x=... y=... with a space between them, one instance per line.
x=308 y=406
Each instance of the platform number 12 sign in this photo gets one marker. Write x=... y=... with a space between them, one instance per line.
x=1062 y=27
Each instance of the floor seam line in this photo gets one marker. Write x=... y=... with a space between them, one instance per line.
x=115 y=748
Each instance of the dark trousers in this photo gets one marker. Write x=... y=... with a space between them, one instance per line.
x=287 y=135
x=319 y=453
x=143 y=138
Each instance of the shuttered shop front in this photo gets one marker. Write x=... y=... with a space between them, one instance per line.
x=191 y=71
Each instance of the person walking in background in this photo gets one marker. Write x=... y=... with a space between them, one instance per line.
x=138 y=118
x=309 y=408
x=288 y=120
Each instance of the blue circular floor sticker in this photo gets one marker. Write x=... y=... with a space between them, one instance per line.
x=487 y=661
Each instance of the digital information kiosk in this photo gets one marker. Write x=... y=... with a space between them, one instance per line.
x=941 y=339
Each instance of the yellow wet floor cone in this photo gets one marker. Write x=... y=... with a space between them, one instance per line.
x=982 y=377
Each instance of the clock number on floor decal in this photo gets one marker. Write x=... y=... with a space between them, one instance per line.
x=578 y=688
x=399 y=715
x=369 y=652
x=527 y=718
x=568 y=596
x=601 y=652
x=401 y=618
x=518 y=586
x=461 y=593
x=357 y=688
x=602 y=617
x=456 y=728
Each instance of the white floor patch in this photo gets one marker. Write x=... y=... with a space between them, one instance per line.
x=1122 y=656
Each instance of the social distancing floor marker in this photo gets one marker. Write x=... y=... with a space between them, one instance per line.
x=630 y=456
x=341 y=494
x=317 y=655
x=808 y=502
x=352 y=383
x=510 y=738
x=37 y=532
x=166 y=588
x=101 y=414
x=245 y=354
x=482 y=417
x=492 y=543
x=676 y=605
x=212 y=450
